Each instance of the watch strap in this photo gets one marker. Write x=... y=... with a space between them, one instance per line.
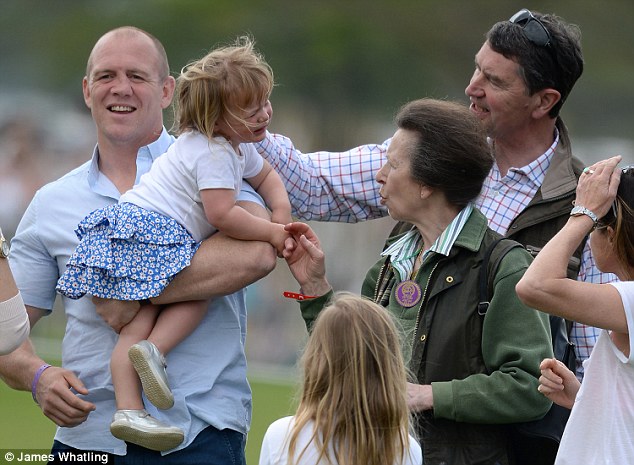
x=581 y=210
x=4 y=246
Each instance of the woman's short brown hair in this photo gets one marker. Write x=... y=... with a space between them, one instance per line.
x=451 y=153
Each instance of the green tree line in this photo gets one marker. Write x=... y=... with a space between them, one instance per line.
x=339 y=62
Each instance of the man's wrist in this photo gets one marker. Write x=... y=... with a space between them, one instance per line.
x=36 y=379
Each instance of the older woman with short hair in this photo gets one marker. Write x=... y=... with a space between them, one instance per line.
x=474 y=371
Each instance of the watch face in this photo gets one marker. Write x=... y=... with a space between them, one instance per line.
x=4 y=252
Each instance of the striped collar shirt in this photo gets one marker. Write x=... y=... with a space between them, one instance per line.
x=503 y=198
x=403 y=253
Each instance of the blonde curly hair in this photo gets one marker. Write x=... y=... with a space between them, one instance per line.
x=226 y=80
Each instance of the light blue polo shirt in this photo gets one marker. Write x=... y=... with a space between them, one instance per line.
x=207 y=371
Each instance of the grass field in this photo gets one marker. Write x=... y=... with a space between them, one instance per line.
x=23 y=426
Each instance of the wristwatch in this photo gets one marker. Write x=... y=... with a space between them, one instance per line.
x=4 y=246
x=580 y=210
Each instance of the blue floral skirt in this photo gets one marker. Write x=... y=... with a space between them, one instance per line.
x=126 y=253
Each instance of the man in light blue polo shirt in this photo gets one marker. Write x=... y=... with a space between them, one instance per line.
x=127 y=87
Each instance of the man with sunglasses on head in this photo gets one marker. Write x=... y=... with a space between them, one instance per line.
x=525 y=70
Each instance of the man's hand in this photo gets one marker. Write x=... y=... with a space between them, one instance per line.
x=117 y=313
x=58 y=402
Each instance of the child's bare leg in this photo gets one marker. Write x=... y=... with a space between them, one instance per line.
x=176 y=322
x=127 y=386
x=131 y=422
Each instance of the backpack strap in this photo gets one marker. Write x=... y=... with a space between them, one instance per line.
x=560 y=328
x=490 y=263
x=524 y=437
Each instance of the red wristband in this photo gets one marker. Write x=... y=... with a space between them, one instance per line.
x=36 y=378
x=297 y=296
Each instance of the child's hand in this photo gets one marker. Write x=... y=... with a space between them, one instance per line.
x=280 y=239
x=558 y=383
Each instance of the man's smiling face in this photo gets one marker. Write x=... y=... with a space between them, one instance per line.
x=498 y=94
x=125 y=91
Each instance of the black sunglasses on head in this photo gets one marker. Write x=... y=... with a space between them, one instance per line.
x=534 y=29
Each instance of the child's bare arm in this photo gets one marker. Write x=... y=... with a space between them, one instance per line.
x=270 y=186
x=223 y=212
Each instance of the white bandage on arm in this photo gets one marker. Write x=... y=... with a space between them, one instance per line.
x=14 y=324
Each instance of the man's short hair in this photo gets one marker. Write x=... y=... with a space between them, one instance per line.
x=557 y=65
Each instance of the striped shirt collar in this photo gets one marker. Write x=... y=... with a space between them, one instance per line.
x=403 y=252
x=502 y=199
x=535 y=171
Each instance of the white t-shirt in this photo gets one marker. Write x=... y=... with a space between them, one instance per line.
x=173 y=184
x=275 y=447
x=601 y=425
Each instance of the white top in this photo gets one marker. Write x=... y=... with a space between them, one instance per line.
x=275 y=447
x=601 y=425
x=193 y=163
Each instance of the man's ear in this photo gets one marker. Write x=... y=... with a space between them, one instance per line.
x=546 y=100
x=169 y=85
x=86 y=91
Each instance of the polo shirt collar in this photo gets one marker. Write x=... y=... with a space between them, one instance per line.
x=145 y=157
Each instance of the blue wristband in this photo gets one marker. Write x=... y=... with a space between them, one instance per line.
x=38 y=373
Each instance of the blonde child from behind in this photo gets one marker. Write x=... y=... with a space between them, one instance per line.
x=353 y=405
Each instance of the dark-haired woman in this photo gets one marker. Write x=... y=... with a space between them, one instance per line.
x=601 y=425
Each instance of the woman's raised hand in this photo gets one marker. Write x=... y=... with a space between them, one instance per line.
x=598 y=185
x=306 y=260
